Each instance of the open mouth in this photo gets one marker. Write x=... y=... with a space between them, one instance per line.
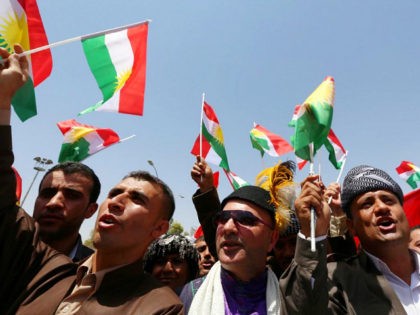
x=107 y=220
x=386 y=224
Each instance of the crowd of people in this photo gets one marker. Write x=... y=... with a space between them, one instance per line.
x=253 y=257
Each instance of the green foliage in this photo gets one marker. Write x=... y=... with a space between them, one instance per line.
x=176 y=228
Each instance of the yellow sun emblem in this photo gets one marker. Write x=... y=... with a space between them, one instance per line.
x=14 y=29
x=122 y=77
x=218 y=134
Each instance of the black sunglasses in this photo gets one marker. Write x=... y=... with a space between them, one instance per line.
x=242 y=217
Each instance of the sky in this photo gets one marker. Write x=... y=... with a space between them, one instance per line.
x=254 y=60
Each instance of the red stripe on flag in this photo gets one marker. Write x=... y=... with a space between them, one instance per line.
x=209 y=112
x=412 y=207
x=334 y=139
x=404 y=167
x=109 y=136
x=205 y=147
x=281 y=146
x=41 y=62
x=132 y=94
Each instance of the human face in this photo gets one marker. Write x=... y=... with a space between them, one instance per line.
x=378 y=219
x=171 y=270
x=206 y=259
x=62 y=205
x=243 y=249
x=415 y=240
x=284 y=251
x=129 y=219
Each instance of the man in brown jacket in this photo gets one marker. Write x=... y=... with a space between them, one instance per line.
x=35 y=279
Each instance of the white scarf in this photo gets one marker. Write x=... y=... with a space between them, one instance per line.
x=209 y=298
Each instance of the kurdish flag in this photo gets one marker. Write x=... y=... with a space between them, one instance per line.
x=409 y=172
x=335 y=148
x=268 y=142
x=212 y=143
x=20 y=22
x=235 y=181
x=312 y=120
x=412 y=206
x=81 y=141
x=117 y=60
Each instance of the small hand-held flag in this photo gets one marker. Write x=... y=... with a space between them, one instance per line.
x=235 y=181
x=335 y=148
x=20 y=22
x=409 y=172
x=210 y=144
x=117 y=60
x=312 y=121
x=267 y=142
x=81 y=141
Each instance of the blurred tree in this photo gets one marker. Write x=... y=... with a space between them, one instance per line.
x=89 y=242
x=176 y=228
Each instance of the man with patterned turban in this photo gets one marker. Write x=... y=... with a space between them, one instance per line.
x=383 y=278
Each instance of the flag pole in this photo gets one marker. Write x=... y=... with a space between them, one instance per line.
x=313 y=217
x=77 y=38
x=201 y=130
x=201 y=124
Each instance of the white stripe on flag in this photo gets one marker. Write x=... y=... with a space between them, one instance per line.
x=95 y=142
x=121 y=54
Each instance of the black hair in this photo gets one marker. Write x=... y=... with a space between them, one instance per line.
x=173 y=244
x=146 y=176
x=77 y=168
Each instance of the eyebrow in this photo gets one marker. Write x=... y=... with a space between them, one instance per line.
x=133 y=193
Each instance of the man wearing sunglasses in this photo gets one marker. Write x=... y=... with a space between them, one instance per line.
x=240 y=283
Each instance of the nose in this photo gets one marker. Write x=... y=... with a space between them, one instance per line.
x=380 y=207
x=56 y=201
x=229 y=227
x=206 y=253
x=168 y=267
x=116 y=203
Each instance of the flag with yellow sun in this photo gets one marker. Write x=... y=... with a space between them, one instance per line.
x=118 y=63
x=20 y=22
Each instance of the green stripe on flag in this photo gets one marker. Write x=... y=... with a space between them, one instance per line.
x=312 y=127
x=218 y=147
x=24 y=102
x=260 y=144
x=413 y=179
x=76 y=151
x=101 y=65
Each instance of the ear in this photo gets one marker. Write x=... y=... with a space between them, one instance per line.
x=161 y=227
x=273 y=240
x=91 y=209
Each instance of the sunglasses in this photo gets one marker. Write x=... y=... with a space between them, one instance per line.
x=244 y=218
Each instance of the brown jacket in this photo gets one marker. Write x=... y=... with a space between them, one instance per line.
x=353 y=286
x=35 y=278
